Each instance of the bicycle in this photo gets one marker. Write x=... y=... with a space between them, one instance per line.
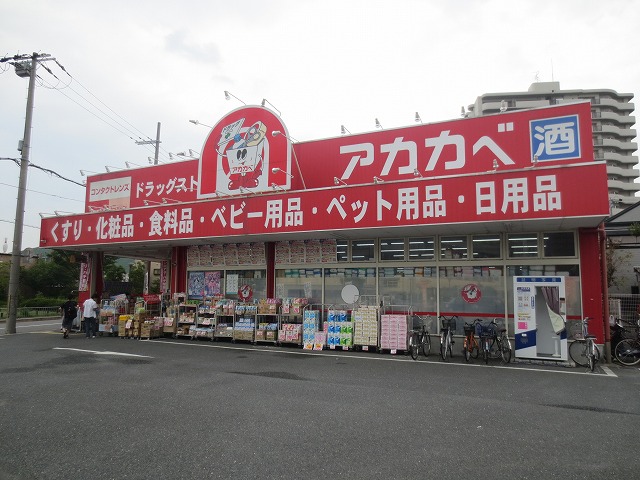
x=583 y=351
x=446 y=336
x=420 y=339
x=471 y=347
x=495 y=344
x=627 y=349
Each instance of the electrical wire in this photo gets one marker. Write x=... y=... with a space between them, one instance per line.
x=43 y=193
x=24 y=224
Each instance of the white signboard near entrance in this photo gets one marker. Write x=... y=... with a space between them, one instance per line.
x=539 y=317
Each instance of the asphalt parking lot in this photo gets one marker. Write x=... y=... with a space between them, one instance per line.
x=119 y=408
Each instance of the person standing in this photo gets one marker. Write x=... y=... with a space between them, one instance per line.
x=89 y=313
x=69 y=313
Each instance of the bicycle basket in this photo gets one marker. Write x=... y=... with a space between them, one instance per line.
x=469 y=329
x=487 y=331
x=449 y=323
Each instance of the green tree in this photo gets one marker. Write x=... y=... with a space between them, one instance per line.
x=136 y=278
x=4 y=281
x=617 y=259
x=111 y=270
x=56 y=275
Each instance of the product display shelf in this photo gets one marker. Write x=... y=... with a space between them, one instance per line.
x=187 y=314
x=394 y=328
x=244 y=322
x=205 y=322
x=108 y=315
x=339 y=328
x=290 y=321
x=266 y=328
x=170 y=321
x=366 y=326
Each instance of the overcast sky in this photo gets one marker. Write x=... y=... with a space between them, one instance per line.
x=322 y=64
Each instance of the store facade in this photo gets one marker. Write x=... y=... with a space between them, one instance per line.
x=490 y=217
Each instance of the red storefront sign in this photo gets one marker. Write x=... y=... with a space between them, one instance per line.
x=540 y=192
x=249 y=151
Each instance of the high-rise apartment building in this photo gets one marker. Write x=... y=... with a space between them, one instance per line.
x=613 y=133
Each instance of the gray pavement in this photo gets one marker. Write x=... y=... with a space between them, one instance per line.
x=111 y=408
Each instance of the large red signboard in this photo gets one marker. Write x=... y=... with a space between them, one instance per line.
x=522 y=165
x=511 y=195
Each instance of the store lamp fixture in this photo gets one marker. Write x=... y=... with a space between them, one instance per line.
x=85 y=172
x=62 y=212
x=151 y=202
x=246 y=190
x=495 y=165
x=264 y=101
x=275 y=133
x=276 y=170
x=344 y=130
x=417 y=118
x=503 y=106
x=378 y=124
x=220 y=194
x=46 y=214
x=534 y=161
x=228 y=95
x=109 y=168
x=338 y=181
x=377 y=180
x=463 y=112
x=128 y=164
x=168 y=200
x=416 y=173
x=277 y=187
x=197 y=122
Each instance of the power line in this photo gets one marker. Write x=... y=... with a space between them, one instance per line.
x=44 y=193
x=24 y=224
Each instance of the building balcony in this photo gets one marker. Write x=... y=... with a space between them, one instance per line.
x=622 y=172
x=617 y=158
x=623 y=186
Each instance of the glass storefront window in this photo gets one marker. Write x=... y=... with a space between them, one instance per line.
x=471 y=292
x=255 y=279
x=342 y=249
x=363 y=250
x=300 y=283
x=411 y=286
x=453 y=247
x=335 y=279
x=559 y=244
x=486 y=246
x=421 y=248
x=522 y=245
x=392 y=249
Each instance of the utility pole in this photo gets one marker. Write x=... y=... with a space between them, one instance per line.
x=147 y=264
x=22 y=67
x=155 y=142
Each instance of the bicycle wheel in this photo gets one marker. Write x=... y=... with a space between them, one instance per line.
x=450 y=345
x=578 y=353
x=475 y=348
x=505 y=349
x=485 y=350
x=628 y=352
x=443 y=346
x=426 y=344
x=591 y=355
x=413 y=345
x=465 y=349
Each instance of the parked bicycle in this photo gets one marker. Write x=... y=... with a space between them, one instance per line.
x=471 y=347
x=495 y=343
x=627 y=350
x=584 y=351
x=448 y=325
x=419 y=340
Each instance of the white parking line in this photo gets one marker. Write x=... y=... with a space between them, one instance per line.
x=388 y=358
x=608 y=371
x=96 y=352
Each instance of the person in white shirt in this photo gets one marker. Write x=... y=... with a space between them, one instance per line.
x=89 y=313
